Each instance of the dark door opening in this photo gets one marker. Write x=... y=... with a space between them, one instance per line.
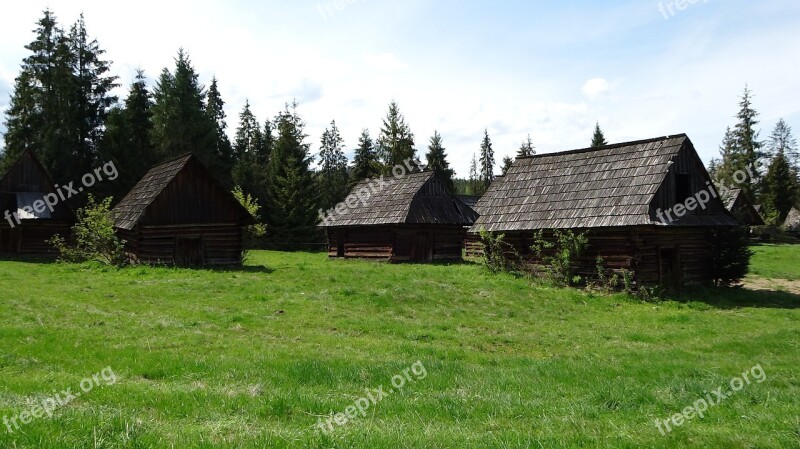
x=189 y=252
x=10 y=239
x=422 y=247
x=670 y=267
x=340 y=244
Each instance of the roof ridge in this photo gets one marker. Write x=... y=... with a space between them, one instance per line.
x=605 y=147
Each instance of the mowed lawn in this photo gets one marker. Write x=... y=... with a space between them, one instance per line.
x=776 y=262
x=252 y=359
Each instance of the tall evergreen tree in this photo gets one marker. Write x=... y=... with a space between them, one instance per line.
x=365 y=161
x=180 y=122
x=780 y=186
x=396 y=141
x=292 y=212
x=224 y=158
x=437 y=161
x=250 y=168
x=527 y=148
x=126 y=140
x=332 y=177
x=782 y=141
x=486 y=174
x=748 y=147
x=61 y=100
x=474 y=180
x=598 y=139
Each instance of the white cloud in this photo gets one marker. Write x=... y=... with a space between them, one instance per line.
x=595 y=87
x=385 y=61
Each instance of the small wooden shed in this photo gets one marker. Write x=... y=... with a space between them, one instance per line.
x=742 y=208
x=399 y=219
x=178 y=214
x=26 y=227
x=792 y=222
x=637 y=201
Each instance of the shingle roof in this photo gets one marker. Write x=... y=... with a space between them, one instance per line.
x=128 y=212
x=792 y=222
x=400 y=200
x=730 y=199
x=605 y=187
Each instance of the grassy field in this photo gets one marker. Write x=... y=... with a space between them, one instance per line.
x=776 y=262
x=252 y=359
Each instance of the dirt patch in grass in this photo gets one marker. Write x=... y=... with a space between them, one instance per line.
x=762 y=284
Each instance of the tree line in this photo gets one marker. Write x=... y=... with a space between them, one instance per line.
x=774 y=163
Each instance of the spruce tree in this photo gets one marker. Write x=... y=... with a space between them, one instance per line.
x=507 y=163
x=332 y=176
x=486 y=174
x=396 y=141
x=126 y=140
x=748 y=147
x=780 y=186
x=292 y=212
x=598 y=139
x=250 y=169
x=437 y=161
x=223 y=150
x=474 y=180
x=180 y=122
x=782 y=141
x=526 y=149
x=365 y=161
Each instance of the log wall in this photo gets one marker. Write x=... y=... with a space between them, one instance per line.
x=221 y=243
x=400 y=243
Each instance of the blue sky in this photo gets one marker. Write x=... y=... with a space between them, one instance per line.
x=550 y=69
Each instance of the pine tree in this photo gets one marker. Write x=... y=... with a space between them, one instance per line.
x=126 y=140
x=526 y=149
x=332 y=177
x=180 y=122
x=780 y=186
x=507 y=163
x=437 y=161
x=730 y=160
x=748 y=148
x=782 y=141
x=292 y=212
x=486 y=174
x=365 y=161
x=474 y=181
x=223 y=150
x=598 y=139
x=396 y=142
x=250 y=168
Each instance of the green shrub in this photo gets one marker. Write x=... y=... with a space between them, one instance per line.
x=254 y=232
x=730 y=255
x=498 y=255
x=560 y=257
x=93 y=236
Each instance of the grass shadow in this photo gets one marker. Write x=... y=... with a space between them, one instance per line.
x=736 y=297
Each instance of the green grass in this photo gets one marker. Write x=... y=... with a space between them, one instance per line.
x=776 y=262
x=250 y=359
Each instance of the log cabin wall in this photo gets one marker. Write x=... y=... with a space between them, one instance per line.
x=397 y=243
x=655 y=255
x=218 y=244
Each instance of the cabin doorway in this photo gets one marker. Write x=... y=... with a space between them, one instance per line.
x=422 y=247
x=9 y=240
x=669 y=263
x=340 y=244
x=189 y=252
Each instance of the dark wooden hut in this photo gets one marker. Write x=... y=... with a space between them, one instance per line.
x=792 y=222
x=26 y=226
x=742 y=208
x=405 y=218
x=625 y=196
x=178 y=214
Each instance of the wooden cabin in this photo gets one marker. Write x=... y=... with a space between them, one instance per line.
x=400 y=219
x=178 y=214
x=625 y=196
x=26 y=226
x=792 y=222
x=738 y=203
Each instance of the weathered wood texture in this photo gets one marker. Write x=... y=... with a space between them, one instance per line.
x=178 y=214
x=742 y=208
x=28 y=176
x=407 y=243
